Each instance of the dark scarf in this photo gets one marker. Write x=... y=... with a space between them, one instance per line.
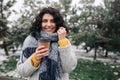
x=50 y=67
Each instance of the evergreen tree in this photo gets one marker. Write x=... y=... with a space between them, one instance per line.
x=20 y=28
x=4 y=29
x=100 y=27
x=112 y=26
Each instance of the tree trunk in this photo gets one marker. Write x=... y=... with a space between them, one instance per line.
x=106 y=53
x=95 y=54
x=5 y=48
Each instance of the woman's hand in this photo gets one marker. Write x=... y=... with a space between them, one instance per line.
x=40 y=52
x=61 y=33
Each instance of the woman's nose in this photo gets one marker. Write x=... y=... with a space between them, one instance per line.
x=48 y=23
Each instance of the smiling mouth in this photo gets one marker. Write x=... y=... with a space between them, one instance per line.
x=49 y=30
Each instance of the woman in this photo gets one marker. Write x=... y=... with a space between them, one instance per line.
x=60 y=59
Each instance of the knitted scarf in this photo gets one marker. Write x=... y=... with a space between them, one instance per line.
x=50 y=66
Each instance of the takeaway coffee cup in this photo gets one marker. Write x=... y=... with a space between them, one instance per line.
x=44 y=41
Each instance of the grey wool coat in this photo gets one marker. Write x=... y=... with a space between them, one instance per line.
x=25 y=68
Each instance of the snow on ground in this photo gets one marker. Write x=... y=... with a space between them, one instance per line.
x=2 y=58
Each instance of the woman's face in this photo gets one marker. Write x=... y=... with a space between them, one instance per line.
x=48 y=24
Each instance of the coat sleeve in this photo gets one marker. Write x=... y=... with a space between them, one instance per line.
x=24 y=66
x=68 y=59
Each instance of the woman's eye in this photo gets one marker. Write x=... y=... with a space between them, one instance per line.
x=52 y=21
x=44 y=21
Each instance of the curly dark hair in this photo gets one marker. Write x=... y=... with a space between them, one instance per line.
x=36 y=25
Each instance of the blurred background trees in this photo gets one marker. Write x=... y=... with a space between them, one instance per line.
x=5 y=12
x=97 y=26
